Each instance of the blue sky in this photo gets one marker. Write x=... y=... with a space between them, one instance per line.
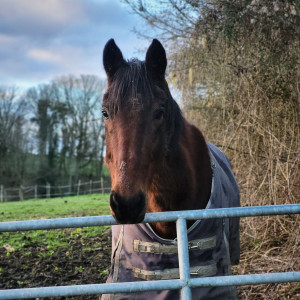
x=43 y=39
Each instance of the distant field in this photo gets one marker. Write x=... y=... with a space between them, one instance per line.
x=76 y=206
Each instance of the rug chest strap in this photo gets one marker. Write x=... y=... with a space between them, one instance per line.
x=157 y=248
x=198 y=271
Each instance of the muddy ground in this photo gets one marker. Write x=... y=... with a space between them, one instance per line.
x=77 y=263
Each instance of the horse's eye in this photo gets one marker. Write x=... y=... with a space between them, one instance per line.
x=105 y=114
x=158 y=114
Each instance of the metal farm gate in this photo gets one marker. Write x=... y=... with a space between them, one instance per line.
x=185 y=283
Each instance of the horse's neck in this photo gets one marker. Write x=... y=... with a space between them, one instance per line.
x=183 y=184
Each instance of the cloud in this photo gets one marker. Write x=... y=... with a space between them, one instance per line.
x=44 y=55
x=38 y=19
x=40 y=40
x=6 y=40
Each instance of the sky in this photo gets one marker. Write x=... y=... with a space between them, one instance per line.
x=44 y=39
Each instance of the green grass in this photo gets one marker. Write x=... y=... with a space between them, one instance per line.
x=87 y=205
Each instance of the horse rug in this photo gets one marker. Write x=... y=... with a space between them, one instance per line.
x=138 y=253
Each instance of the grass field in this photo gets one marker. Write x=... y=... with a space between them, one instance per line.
x=91 y=205
x=87 y=205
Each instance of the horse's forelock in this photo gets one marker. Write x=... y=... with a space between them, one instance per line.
x=130 y=82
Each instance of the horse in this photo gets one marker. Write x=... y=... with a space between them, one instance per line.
x=160 y=162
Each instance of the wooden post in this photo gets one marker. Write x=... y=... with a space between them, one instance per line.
x=1 y=193
x=91 y=186
x=35 y=192
x=78 y=187
x=102 y=185
x=21 y=193
x=48 y=190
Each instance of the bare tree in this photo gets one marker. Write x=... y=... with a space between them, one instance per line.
x=12 y=138
x=67 y=113
x=83 y=126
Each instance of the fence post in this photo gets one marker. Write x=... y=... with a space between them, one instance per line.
x=78 y=187
x=91 y=182
x=102 y=185
x=5 y=194
x=1 y=193
x=48 y=190
x=35 y=192
x=21 y=193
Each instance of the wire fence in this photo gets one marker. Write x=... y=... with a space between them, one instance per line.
x=47 y=191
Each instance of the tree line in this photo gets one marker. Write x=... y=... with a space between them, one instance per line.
x=52 y=134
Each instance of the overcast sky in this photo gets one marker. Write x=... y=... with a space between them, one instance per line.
x=42 y=39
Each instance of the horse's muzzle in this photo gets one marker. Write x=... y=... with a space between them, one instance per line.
x=128 y=210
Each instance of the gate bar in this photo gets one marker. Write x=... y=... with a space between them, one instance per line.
x=183 y=258
x=249 y=211
x=249 y=279
x=139 y=286
x=90 y=289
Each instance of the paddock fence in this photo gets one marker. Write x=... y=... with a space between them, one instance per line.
x=185 y=283
x=48 y=191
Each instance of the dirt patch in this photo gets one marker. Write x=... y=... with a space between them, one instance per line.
x=85 y=260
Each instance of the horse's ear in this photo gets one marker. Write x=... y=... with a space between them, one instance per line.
x=112 y=58
x=156 y=60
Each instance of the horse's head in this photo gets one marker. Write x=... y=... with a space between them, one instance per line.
x=138 y=126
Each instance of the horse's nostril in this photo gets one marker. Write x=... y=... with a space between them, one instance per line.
x=113 y=201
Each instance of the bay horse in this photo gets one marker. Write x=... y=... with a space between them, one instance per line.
x=159 y=162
